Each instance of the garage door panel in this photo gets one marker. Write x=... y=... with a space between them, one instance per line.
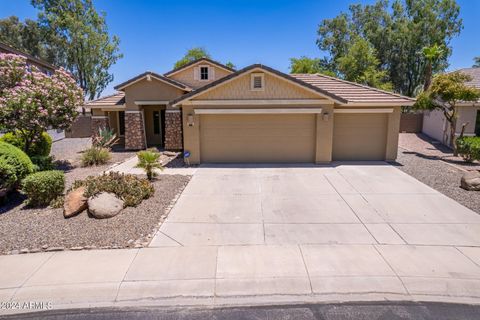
x=360 y=136
x=257 y=138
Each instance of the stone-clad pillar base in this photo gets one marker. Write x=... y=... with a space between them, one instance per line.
x=134 y=131
x=99 y=122
x=173 y=130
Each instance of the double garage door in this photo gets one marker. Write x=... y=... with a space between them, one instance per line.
x=286 y=138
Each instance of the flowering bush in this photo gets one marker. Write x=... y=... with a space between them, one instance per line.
x=32 y=102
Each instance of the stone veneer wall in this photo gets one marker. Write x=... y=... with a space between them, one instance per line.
x=173 y=130
x=97 y=123
x=134 y=131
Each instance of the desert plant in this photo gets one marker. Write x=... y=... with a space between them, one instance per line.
x=105 y=138
x=41 y=146
x=469 y=148
x=17 y=159
x=95 y=156
x=148 y=161
x=43 y=187
x=131 y=189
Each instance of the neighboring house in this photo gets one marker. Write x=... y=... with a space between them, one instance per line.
x=44 y=66
x=436 y=126
x=256 y=114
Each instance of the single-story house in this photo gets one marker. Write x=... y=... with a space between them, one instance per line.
x=436 y=126
x=256 y=114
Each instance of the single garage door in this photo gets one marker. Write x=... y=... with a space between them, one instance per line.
x=257 y=138
x=358 y=136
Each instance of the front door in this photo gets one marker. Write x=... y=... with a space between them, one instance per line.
x=154 y=126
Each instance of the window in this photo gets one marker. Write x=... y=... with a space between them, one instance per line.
x=203 y=73
x=257 y=82
x=121 y=123
x=156 y=122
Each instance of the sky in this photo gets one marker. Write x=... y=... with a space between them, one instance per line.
x=155 y=33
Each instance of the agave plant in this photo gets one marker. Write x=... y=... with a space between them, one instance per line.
x=148 y=161
x=106 y=138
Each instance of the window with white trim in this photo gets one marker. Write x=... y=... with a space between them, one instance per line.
x=257 y=82
x=204 y=73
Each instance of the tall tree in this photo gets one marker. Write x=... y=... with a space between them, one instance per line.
x=29 y=37
x=432 y=55
x=192 y=55
x=75 y=27
x=446 y=91
x=398 y=30
x=477 y=62
x=360 y=64
x=310 y=65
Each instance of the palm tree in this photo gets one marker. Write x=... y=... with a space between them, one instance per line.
x=432 y=55
x=148 y=161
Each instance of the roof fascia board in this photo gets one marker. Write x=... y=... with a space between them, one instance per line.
x=154 y=77
x=260 y=111
x=364 y=110
x=260 y=102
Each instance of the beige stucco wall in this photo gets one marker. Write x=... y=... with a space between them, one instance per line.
x=186 y=75
x=436 y=126
x=149 y=90
x=275 y=88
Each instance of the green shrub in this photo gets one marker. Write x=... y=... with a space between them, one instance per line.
x=21 y=163
x=43 y=163
x=43 y=187
x=40 y=147
x=469 y=148
x=8 y=178
x=95 y=156
x=131 y=189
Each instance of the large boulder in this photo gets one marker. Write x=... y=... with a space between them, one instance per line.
x=104 y=205
x=471 y=181
x=75 y=202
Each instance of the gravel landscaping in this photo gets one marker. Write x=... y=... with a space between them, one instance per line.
x=67 y=153
x=26 y=229
x=439 y=175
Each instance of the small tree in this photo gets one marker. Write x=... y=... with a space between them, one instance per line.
x=32 y=102
x=148 y=161
x=446 y=91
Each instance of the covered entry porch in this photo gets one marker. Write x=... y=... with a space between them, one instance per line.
x=149 y=124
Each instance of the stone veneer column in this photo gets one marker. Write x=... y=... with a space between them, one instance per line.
x=173 y=130
x=99 y=122
x=134 y=130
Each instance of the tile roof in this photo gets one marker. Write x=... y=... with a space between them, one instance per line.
x=218 y=64
x=288 y=77
x=353 y=93
x=114 y=100
x=475 y=74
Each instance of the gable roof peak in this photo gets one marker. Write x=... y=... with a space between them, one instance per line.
x=191 y=63
x=157 y=76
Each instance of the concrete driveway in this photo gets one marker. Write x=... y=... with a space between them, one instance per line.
x=344 y=204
